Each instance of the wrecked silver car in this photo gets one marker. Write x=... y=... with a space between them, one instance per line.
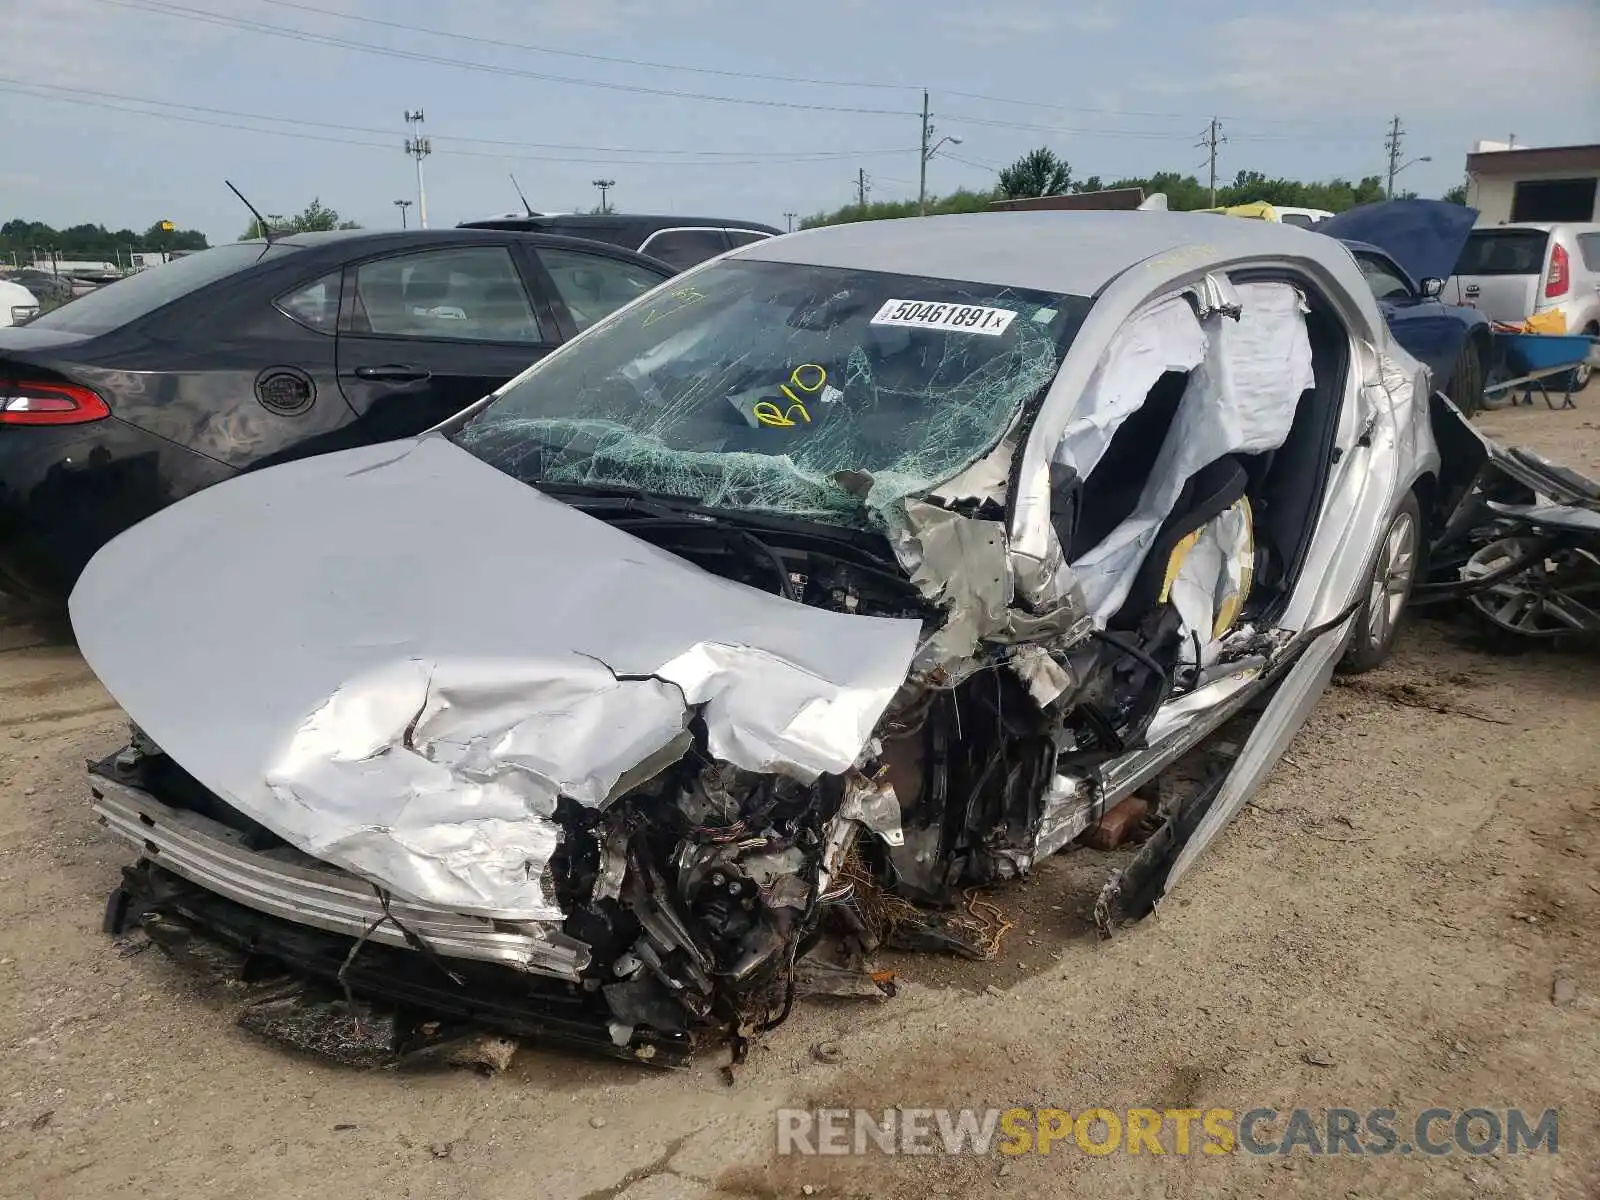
x=843 y=574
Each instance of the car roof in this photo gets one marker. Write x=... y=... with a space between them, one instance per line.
x=620 y=221
x=1074 y=253
x=352 y=242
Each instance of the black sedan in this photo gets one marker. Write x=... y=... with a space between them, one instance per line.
x=251 y=354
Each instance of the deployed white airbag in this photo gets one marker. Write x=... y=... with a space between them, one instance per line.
x=1166 y=336
x=1240 y=399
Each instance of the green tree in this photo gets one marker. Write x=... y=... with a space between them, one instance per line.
x=22 y=240
x=317 y=217
x=1039 y=172
x=1456 y=195
x=961 y=201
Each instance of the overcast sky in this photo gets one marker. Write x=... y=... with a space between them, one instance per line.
x=92 y=92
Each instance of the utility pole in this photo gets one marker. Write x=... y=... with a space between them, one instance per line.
x=1209 y=141
x=789 y=217
x=922 y=160
x=863 y=189
x=402 y=205
x=605 y=185
x=1392 y=145
x=418 y=147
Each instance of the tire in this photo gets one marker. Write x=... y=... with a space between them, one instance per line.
x=1466 y=380
x=1579 y=377
x=1388 y=589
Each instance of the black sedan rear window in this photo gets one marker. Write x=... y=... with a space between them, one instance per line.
x=128 y=299
x=1503 y=252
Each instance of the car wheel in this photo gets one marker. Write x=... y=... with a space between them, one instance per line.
x=1466 y=381
x=1579 y=378
x=1388 y=589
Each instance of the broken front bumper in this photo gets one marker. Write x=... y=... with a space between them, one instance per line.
x=212 y=855
x=286 y=930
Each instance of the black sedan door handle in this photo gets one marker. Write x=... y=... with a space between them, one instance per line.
x=393 y=373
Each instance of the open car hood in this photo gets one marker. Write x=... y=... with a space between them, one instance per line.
x=1423 y=236
x=397 y=659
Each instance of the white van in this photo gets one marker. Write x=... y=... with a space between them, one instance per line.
x=17 y=304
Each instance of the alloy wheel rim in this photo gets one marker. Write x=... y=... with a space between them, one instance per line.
x=1391 y=581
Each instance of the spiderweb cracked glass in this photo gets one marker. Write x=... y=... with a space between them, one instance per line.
x=893 y=411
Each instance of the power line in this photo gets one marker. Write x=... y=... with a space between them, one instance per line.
x=160 y=7
x=501 y=43
x=760 y=76
x=75 y=95
x=249 y=25
x=1148 y=134
x=972 y=162
x=386 y=132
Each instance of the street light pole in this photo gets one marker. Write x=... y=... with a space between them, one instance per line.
x=402 y=205
x=1402 y=167
x=605 y=185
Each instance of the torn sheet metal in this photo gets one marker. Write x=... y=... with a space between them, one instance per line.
x=1215 y=295
x=1164 y=336
x=964 y=565
x=1293 y=701
x=961 y=564
x=1240 y=400
x=393 y=657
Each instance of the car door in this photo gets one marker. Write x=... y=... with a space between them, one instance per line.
x=425 y=333
x=587 y=285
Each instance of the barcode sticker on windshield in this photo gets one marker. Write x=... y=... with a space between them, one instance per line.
x=958 y=318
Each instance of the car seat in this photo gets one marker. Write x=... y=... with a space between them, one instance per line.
x=1211 y=491
x=1111 y=492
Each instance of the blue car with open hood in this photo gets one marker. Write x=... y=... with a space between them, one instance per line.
x=1407 y=249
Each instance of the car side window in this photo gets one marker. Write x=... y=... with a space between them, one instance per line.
x=743 y=237
x=1384 y=280
x=470 y=293
x=1589 y=251
x=594 y=285
x=684 y=248
x=316 y=305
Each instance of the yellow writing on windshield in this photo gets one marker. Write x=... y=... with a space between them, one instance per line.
x=807 y=378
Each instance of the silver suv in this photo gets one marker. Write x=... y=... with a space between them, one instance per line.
x=1512 y=272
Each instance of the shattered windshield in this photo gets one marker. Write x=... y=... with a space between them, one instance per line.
x=815 y=392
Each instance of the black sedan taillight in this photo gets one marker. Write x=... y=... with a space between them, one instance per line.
x=34 y=402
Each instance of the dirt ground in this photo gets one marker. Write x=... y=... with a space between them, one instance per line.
x=1404 y=918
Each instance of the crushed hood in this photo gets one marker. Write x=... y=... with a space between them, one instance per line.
x=398 y=658
x=1423 y=236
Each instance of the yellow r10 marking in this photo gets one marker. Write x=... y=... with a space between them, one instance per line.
x=767 y=412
